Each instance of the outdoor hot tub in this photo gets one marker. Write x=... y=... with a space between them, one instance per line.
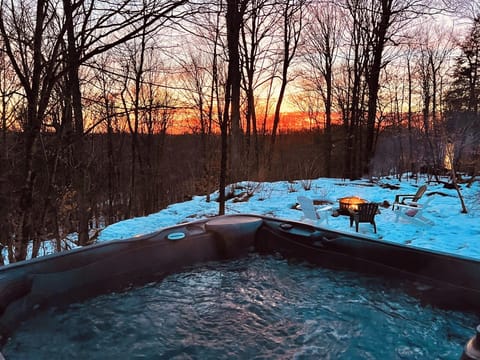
x=30 y=287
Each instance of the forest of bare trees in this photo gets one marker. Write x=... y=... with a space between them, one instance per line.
x=110 y=111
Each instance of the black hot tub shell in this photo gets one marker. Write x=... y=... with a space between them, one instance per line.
x=72 y=276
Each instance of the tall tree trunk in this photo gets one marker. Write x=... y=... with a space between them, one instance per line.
x=292 y=16
x=31 y=132
x=328 y=121
x=224 y=151
x=81 y=157
x=410 y=119
x=234 y=18
x=380 y=38
x=231 y=112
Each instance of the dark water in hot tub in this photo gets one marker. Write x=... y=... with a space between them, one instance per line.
x=253 y=308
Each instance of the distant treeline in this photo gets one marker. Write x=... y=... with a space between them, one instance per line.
x=164 y=169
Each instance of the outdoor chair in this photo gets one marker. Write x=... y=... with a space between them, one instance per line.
x=413 y=212
x=364 y=214
x=312 y=214
x=401 y=199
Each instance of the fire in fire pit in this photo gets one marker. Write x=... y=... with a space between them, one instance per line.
x=350 y=203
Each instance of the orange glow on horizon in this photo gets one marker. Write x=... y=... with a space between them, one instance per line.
x=292 y=121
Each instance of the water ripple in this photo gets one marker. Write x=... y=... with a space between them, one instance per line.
x=253 y=308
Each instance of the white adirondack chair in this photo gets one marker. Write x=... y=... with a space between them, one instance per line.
x=311 y=214
x=413 y=212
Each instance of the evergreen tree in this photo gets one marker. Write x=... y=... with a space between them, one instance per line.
x=462 y=113
x=464 y=94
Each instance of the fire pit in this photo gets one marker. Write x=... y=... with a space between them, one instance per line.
x=350 y=203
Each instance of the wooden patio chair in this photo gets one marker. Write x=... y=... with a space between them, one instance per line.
x=413 y=198
x=364 y=214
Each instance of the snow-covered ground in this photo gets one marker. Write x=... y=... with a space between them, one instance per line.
x=452 y=231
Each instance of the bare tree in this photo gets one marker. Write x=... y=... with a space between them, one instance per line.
x=200 y=89
x=106 y=100
x=35 y=61
x=51 y=41
x=291 y=30
x=433 y=53
x=90 y=38
x=323 y=36
x=234 y=20
x=258 y=70
x=8 y=88
x=357 y=56
x=203 y=83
